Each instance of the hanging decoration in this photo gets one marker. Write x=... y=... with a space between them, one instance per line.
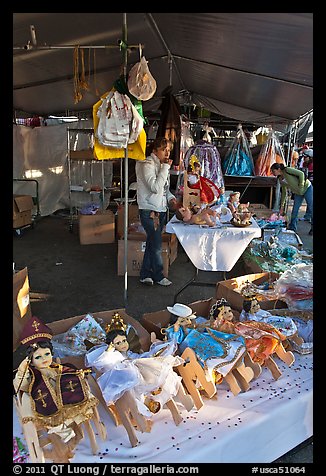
x=141 y=83
x=270 y=153
x=136 y=148
x=80 y=83
x=238 y=159
x=170 y=122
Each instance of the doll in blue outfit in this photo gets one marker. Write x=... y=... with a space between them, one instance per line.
x=216 y=351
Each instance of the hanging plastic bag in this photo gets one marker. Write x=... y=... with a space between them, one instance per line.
x=270 y=153
x=238 y=159
x=152 y=131
x=141 y=83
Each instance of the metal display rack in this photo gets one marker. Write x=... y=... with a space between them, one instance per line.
x=90 y=180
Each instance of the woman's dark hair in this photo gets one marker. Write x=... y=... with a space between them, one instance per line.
x=111 y=335
x=43 y=344
x=173 y=318
x=217 y=307
x=277 y=166
x=159 y=142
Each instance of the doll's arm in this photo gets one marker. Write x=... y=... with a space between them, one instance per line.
x=22 y=378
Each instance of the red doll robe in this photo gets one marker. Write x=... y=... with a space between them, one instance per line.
x=209 y=192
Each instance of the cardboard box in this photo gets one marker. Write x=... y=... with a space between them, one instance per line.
x=21 y=303
x=58 y=327
x=228 y=290
x=155 y=321
x=22 y=210
x=98 y=228
x=133 y=217
x=135 y=256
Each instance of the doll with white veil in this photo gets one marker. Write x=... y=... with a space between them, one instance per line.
x=149 y=376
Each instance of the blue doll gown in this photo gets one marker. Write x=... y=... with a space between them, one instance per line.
x=215 y=350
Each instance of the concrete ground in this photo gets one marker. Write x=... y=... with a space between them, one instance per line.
x=83 y=278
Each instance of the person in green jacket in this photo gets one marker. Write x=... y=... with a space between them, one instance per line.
x=294 y=180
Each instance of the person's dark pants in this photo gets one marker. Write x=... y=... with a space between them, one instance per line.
x=152 y=266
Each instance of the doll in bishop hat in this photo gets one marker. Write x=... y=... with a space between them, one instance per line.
x=60 y=396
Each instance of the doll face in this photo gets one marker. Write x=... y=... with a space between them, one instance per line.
x=42 y=358
x=120 y=343
x=184 y=321
x=254 y=306
x=235 y=197
x=226 y=313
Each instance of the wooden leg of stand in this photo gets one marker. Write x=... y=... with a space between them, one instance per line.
x=272 y=366
x=99 y=425
x=126 y=405
x=177 y=418
x=185 y=399
x=256 y=368
x=91 y=436
x=233 y=383
x=60 y=452
x=35 y=451
x=284 y=355
x=243 y=384
x=244 y=375
x=191 y=387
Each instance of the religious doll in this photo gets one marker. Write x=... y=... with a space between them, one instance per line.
x=217 y=352
x=209 y=192
x=149 y=376
x=206 y=216
x=262 y=340
x=233 y=201
x=60 y=398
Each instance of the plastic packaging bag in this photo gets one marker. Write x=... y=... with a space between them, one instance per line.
x=270 y=153
x=141 y=83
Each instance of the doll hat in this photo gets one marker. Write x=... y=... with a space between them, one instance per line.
x=35 y=331
x=116 y=324
x=181 y=310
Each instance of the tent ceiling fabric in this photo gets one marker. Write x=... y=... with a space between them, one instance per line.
x=248 y=66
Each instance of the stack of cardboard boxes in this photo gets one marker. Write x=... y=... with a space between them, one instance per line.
x=22 y=210
x=137 y=242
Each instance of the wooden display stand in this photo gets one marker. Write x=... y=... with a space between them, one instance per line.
x=191 y=196
x=43 y=445
x=238 y=378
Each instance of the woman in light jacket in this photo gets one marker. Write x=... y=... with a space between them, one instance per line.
x=154 y=198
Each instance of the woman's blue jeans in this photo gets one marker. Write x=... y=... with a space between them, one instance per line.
x=298 y=199
x=152 y=266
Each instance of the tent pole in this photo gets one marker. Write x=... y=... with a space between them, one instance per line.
x=125 y=60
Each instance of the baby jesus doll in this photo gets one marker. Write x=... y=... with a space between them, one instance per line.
x=242 y=214
x=233 y=201
x=149 y=376
x=209 y=192
x=60 y=398
x=262 y=339
x=193 y=216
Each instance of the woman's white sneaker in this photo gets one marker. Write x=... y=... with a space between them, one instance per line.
x=164 y=282
x=147 y=281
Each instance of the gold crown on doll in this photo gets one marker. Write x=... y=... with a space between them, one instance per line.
x=116 y=324
x=248 y=291
x=192 y=161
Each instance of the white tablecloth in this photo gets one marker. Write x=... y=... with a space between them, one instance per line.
x=213 y=249
x=257 y=426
